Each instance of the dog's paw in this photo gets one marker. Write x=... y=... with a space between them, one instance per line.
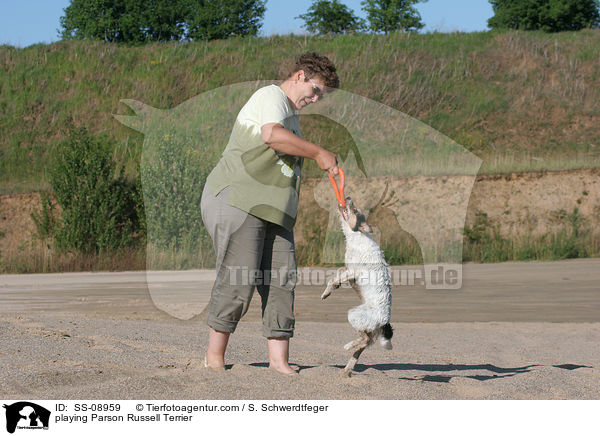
x=325 y=294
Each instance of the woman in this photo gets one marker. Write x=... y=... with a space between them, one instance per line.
x=249 y=207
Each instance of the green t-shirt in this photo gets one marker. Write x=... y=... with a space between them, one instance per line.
x=262 y=182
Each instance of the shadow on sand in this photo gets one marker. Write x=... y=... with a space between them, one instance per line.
x=497 y=372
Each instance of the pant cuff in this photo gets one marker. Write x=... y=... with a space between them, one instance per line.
x=221 y=325
x=277 y=333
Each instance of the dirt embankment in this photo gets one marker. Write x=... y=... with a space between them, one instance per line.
x=531 y=204
x=17 y=229
x=518 y=204
x=538 y=203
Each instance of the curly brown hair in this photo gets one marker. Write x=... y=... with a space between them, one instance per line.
x=313 y=64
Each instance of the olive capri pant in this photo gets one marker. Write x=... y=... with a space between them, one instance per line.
x=251 y=253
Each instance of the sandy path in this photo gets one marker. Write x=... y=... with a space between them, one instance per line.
x=69 y=337
x=55 y=357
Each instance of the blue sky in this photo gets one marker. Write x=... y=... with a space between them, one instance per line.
x=26 y=22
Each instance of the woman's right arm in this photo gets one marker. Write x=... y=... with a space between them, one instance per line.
x=284 y=141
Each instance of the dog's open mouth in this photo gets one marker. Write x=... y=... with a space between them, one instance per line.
x=344 y=213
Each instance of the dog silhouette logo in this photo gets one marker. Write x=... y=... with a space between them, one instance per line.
x=430 y=178
x=26 y=415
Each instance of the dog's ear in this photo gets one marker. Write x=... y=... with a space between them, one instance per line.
x=362 y=222
x=365 y=228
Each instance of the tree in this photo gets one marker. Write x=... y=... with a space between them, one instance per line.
x=546 y=15
x=124 y=20
x=392 y=15
x=225 y=18
x=165 y=19
x=160 y=20
x=325 y=16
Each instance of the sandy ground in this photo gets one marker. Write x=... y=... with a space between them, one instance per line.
x=515 y=331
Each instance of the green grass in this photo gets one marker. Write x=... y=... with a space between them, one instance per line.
x=505 y=96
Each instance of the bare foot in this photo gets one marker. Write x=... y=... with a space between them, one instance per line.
x=283 y=368
x=216 y=363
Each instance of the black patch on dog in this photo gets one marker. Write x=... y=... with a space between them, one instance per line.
x=387 y=331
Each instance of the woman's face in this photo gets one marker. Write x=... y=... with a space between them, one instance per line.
x=306 y=91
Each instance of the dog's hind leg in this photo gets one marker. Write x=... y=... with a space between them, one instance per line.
x=353 y=344
x=364 y=339
x=347 y=371
x=359 y=345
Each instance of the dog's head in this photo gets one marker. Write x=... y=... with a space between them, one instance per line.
x=354 y=217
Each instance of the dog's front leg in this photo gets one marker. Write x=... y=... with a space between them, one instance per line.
x=341 y=275
x=334 y=283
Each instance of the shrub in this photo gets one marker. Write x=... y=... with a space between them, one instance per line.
x=99 y=209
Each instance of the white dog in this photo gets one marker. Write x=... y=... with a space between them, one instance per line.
x=368 y=273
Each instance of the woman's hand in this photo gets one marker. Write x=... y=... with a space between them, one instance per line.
x=327 y=161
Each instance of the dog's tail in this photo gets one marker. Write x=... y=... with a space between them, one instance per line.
x=385 y=340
